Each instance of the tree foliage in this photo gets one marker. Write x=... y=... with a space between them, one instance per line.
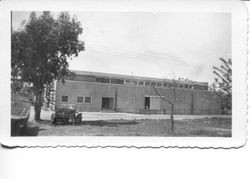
x=223 y=83
x=40 y=51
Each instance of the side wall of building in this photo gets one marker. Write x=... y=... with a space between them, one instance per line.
x=131 y=98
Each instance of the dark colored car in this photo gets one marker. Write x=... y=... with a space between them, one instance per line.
x=66 y=116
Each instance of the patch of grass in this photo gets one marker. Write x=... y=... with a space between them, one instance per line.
x=206 y=127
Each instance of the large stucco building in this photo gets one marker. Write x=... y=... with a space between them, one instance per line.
x=92 y=91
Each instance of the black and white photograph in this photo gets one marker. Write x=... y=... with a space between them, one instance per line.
x=121 y=74
x=124 y=89
x=145 y=76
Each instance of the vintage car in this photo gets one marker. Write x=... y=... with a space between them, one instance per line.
x=66 y=116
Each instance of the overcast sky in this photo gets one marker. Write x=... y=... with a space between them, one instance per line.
x=151 y=44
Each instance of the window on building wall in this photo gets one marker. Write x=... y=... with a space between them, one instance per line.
x=141 y=82
x=134 y=82
x=186 y=86
x=165 y=84
x=180 y=86
x=117 y=81
x=88 y=99
x=102 y=80
x=147 y=83
x=127 y=81
x=85 y=78
x=65 y=99
x=158 y=84
x=79 y=99
x=153 y=83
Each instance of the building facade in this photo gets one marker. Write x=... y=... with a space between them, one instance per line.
x=91 y=91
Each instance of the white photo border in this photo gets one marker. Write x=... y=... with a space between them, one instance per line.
x=238 y=12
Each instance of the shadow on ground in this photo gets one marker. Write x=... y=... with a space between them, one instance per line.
x=44 y=121
x=111 y=123
x=27 y=131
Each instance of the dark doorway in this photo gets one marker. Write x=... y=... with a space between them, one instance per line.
x=107 y=103
x=147 y=103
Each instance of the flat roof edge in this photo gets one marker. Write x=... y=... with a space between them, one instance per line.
x=112 y=75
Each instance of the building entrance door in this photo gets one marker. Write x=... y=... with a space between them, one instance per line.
x=155 y=103
x=147 y=103
x=107 y=103
x=152 y=103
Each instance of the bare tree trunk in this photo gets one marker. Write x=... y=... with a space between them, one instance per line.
x=115 y=108
x=38 y=105
x=172 y=120
x=192 y=103
x=48 y=96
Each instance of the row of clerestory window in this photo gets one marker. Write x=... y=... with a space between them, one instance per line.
x=140 y=82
